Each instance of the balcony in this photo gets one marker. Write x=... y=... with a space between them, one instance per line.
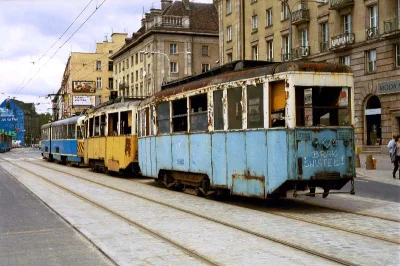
x=372 y=33
x=123 y=85
x=286 y=56
x=342 y=40
x=391 y=25
x=300 y=16
x=172 y=21
x=300 y=52
x=339 y=4
x=323 y=47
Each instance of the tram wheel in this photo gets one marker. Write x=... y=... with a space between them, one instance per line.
x=326 y=192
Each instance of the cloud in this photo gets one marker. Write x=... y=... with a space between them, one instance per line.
x=30 y=28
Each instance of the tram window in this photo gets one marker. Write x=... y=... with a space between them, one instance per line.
x=71 y=131
x=235 y=108
x=322 y=106
x=198 y=113
x=79 y=133
x=97 y=126
x=218 y=110
x=113 y=124
x=103 y=125
x=179 y=115
x=150 y=125
x=147 y=124
x=277 y=103
x=126 y=123
x=163 y=124
x=255 y=110
x=91 y=121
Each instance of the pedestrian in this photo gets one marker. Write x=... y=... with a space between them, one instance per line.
x=395 y=154
x=390 y=144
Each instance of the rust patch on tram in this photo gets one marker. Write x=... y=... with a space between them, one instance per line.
x=128 y=146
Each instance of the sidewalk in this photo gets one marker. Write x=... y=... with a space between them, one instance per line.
x=383 y=171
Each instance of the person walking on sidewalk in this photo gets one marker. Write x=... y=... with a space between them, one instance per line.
x=390 y=144
x=395 y=154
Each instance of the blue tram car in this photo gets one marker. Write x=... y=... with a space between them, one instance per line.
x=62 y=141
x=5 y=142
x=252 y=128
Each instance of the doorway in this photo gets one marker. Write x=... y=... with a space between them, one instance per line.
x=373 y=120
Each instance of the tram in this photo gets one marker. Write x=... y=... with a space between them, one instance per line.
x=111 y=138
x=252 y=128
x=5 y=142
x=62 y=141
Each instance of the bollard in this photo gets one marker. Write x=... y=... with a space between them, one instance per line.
x=358 y=163
x=369 y=165
x=374 y=163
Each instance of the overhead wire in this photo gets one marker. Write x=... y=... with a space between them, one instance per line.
x=97 y=7
x=23 y=81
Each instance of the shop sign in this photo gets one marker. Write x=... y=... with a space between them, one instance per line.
x=389 y=87
x=83 y=100
x=376 y=111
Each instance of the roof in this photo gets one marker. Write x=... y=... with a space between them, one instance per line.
x=243 y=70
x=203 y=20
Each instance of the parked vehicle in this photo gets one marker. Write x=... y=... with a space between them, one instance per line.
x=5 y=142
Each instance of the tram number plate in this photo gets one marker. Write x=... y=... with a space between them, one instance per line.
x=344 y=135
x=303 y=135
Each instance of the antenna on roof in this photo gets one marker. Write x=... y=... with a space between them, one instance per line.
x=105 y=37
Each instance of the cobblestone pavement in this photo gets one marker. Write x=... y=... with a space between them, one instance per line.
x=342 y=244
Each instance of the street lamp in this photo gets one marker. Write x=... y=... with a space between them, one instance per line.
x=285 y=2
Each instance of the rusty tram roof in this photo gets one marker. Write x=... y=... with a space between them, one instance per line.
x=242 y=70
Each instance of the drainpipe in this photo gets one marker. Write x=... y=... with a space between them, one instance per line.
x=243 y=31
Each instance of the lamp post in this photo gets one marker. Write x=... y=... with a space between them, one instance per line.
x=286 y=3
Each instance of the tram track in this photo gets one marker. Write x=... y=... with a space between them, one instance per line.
x=273 y=212
x=287 y=243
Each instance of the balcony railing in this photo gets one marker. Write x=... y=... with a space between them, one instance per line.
x=123 y=85
x=391 y=25
x=342 y=40
x=300 y=52
x=300 y=16
x=339 y=4
x=286 y=55
x=172 y=21
x=372 y=33
x=323 y=46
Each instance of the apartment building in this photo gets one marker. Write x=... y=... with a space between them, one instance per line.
x=87 y=78
x=363 y=34
x=177 y=40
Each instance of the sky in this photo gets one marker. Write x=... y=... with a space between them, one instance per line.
x=32 y=50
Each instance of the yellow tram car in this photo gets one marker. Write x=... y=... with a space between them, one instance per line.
x=110 y=142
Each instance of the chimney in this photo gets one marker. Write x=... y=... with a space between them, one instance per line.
x=165 y=4
x=186 y=4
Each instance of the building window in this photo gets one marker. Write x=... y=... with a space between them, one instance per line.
x=127 y=79
x=132 y=78
x=119 y=67
x=229 y=33
x=141 y=73
x=371 y=61
x=141 y=57
x=137 y=75
x=98 y=84
x=304 y=38
x=173 y=67
x=98 y=65
x=229 y=57
x=132 y=61
x=148 y=50
x=110 y=83
x=254 y=52
x=173 y=48
x=204 y=50
x=324 y=37
x=347 y=23
x=270 y=51
x=136 y=58
x=284 y=11
x=397 y=59
x=373 y=16
x=285 y=48
x=228 y=7
x=269 y=21
x=110 y=66
x=345 y=60
x=254 y=23
x=148 y=69
x=205 y=68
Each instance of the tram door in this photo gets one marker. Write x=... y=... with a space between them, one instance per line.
x=373 y=119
